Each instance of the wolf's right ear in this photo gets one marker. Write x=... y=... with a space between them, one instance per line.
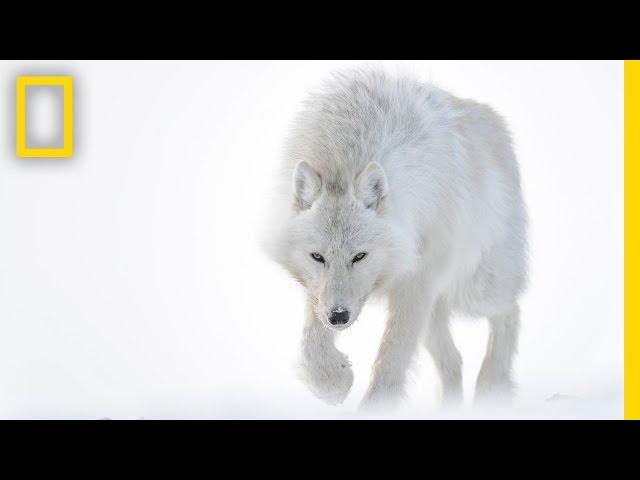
x=307 y=184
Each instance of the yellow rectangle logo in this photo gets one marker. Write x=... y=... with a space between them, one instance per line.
x=66 y=83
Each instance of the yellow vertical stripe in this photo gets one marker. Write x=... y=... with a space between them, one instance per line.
x=68 y=116
x=631 y=239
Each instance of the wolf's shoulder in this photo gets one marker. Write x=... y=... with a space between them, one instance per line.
x=368 y=114
x=366 y=109
x=374 y=91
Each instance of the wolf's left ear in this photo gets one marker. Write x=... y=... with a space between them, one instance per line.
x=371 y=186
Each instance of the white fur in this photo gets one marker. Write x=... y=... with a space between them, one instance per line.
x=428 y=186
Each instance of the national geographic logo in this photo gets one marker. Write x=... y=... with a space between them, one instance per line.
x=28 y=91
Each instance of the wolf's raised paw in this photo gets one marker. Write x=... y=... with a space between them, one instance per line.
x=329 y=379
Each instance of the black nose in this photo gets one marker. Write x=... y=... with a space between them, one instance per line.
x=339 y=317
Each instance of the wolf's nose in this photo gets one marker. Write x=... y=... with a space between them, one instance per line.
x=339 y=316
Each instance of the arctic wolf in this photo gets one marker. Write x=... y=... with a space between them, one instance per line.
x=397 y=188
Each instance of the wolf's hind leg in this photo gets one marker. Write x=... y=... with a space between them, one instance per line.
x=326 y=371
x=494 y=380
x=445 y=355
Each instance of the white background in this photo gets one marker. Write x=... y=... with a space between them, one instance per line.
x=133 y=285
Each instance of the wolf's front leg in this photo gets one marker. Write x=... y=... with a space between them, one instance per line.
x=410 y=303
x=326 y=371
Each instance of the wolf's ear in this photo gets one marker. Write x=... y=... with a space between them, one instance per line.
x=371 y=186
x=306 y=185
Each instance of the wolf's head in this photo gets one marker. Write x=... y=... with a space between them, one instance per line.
x=340 y=242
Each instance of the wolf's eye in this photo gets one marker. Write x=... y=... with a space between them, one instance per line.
x=359 y=257
x=317 y=257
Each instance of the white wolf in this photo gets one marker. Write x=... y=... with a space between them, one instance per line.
x=398 y=188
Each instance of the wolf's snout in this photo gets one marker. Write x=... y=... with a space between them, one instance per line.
x=339 y=316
